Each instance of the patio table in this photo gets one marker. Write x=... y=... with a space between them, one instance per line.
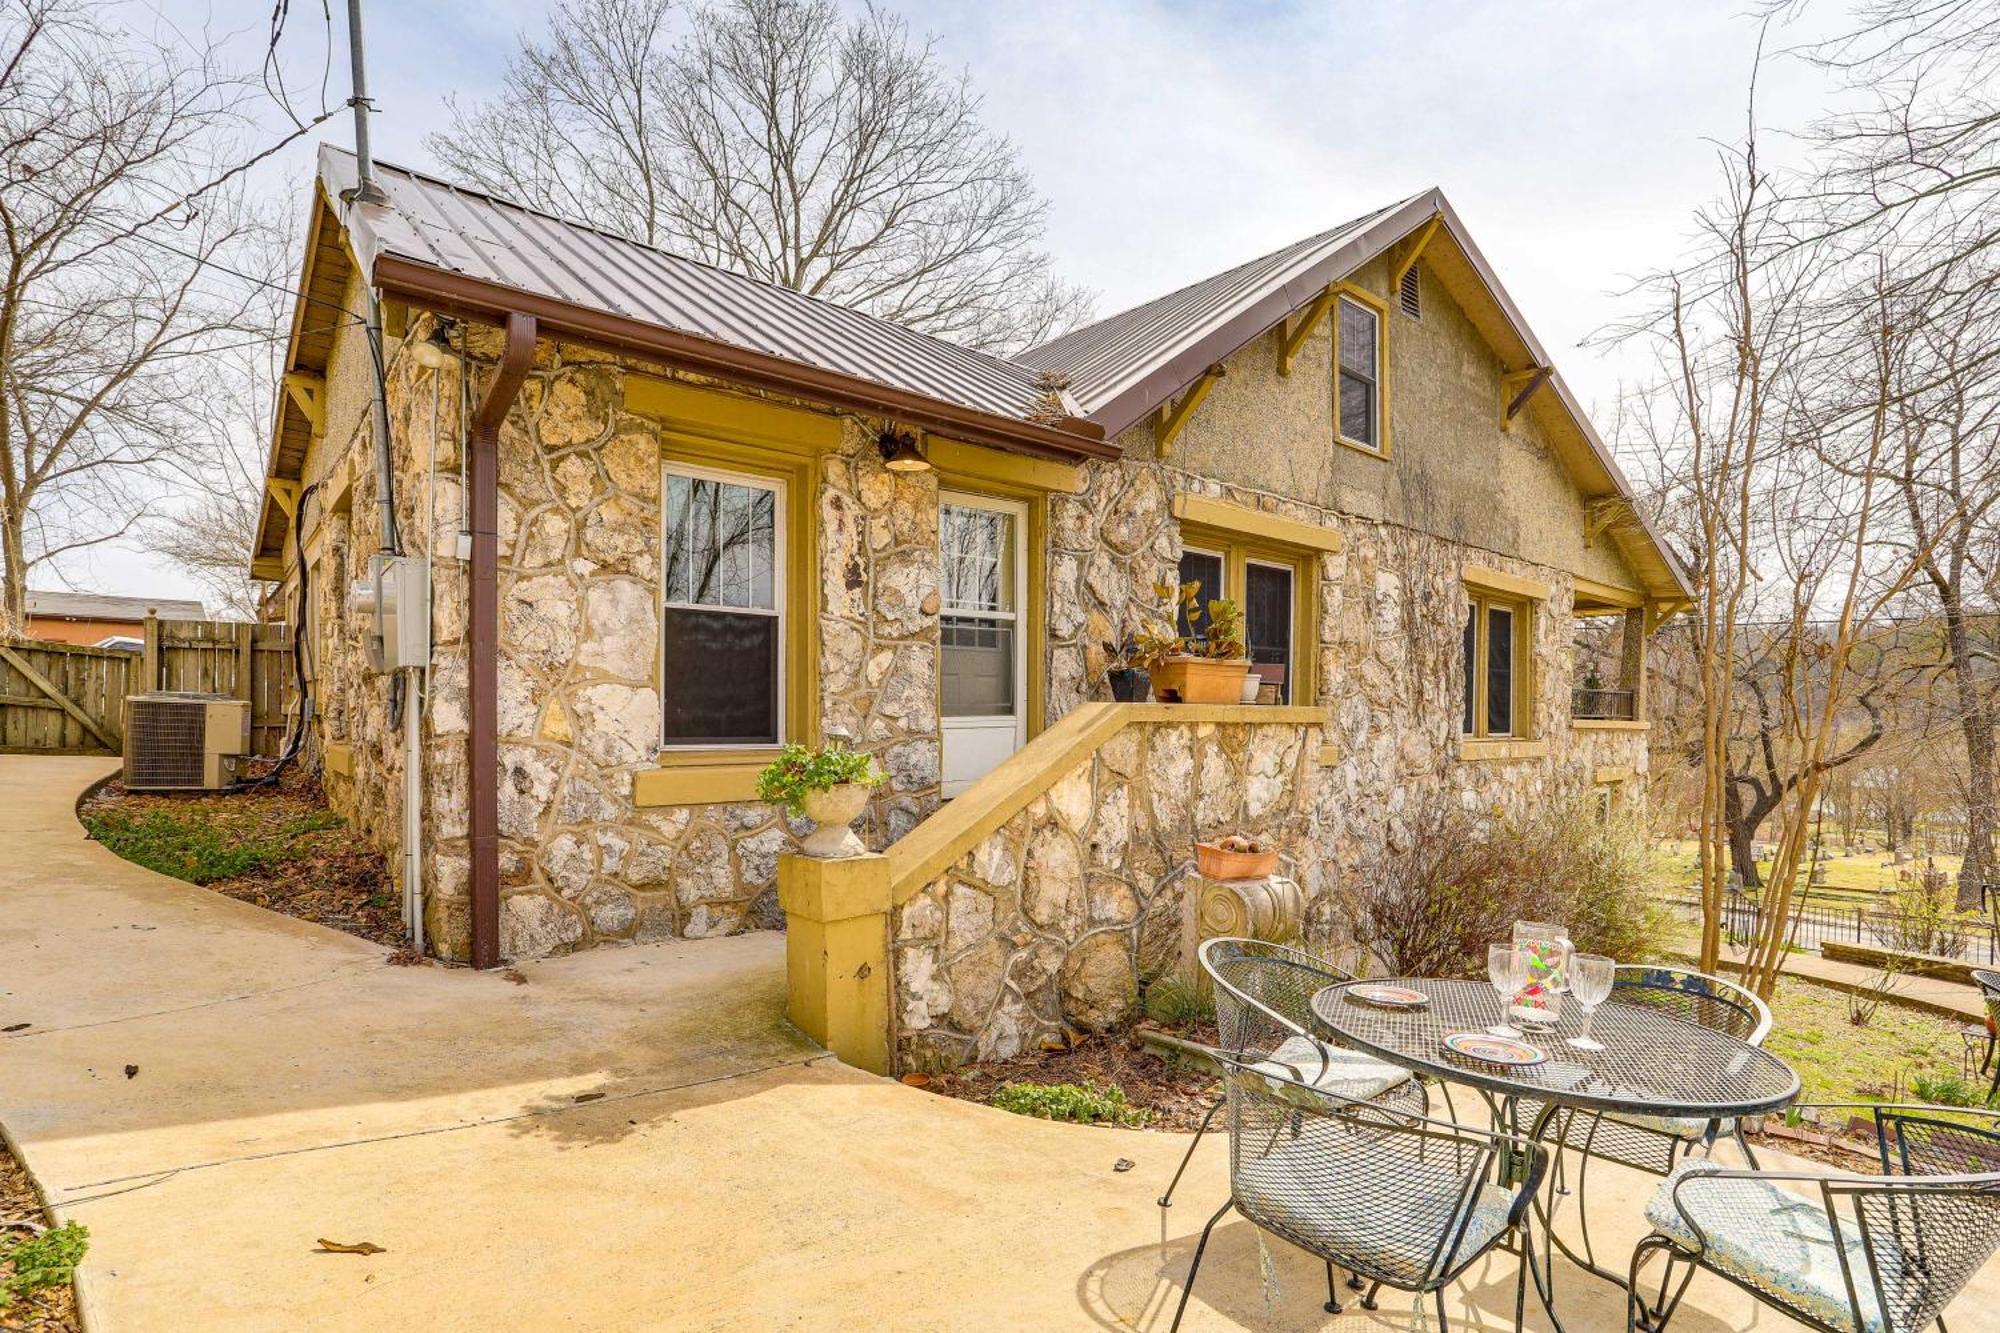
x=1653 y=1063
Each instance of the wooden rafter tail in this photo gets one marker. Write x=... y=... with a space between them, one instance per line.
x=1601 y=514
x=1423 y=238
x=1295 y=338
x=1173 y=417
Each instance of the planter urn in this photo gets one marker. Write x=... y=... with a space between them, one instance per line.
x=834 y=811
x=1201 y=680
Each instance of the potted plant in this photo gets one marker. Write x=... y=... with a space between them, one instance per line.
x=829 y=786
x=1130 y=680
x=1209 y=669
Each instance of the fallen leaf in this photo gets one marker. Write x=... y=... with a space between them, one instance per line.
x=587 y=1097
x=131 y=1071
x=16 y=1027
x=917 y=1080
x=515 y=975
x=1123 y=1164
x=358 y=1247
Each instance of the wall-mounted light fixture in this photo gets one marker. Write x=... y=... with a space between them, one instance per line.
x=901 y=452
x=434 y=351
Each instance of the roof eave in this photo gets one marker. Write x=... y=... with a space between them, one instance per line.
x=474 y=298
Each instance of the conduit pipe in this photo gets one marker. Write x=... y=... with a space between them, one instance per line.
x=483 y=614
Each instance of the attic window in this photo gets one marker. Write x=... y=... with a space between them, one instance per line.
x=1410 y=294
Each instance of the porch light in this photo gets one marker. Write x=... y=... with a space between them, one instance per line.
x=901 y=452
x=434 y=351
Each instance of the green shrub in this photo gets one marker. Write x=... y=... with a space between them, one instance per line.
x=197 y=847
x=1178 y=999
x=1079 y=1103
x=47 y=1260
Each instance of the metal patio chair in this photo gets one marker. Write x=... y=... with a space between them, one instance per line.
x=1401 y=1200
x=1263 y=1004
x=1656 y=1144
x=1989 y=990
x=1857 y=1254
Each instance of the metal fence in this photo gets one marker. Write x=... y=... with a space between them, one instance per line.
x=1975 y=941
x=1603 y=705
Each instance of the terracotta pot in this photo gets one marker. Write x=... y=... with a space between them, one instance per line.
x=1215 y=863
x=1200 y=680
x=833 y=810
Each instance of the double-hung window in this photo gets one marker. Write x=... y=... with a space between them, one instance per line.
x=1265 y=583
x=722 y=617
x=1358 y=379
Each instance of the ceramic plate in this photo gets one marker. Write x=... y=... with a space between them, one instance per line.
x=1492 y=1050
x=1389 y=997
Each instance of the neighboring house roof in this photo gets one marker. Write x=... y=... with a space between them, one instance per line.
x=103 y=606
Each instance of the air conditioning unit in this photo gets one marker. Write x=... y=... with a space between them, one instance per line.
x=179 y=741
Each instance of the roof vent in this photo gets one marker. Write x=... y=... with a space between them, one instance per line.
x=1411 y=295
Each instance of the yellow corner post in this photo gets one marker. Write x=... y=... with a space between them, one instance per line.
x=837 y=953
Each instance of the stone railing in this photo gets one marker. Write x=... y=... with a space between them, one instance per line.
x=1045 y=896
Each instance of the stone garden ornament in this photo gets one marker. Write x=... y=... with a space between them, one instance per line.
x=829 y=786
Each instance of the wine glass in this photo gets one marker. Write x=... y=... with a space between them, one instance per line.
x=1590 y=978
x=1506 y=968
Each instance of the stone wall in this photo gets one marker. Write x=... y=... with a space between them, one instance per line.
x=579 y=704
x=1056 y=919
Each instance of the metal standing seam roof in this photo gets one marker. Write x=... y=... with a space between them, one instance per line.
x=1117 y=352
x=463 y=231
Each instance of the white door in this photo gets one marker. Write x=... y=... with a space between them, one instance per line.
x=982 y=685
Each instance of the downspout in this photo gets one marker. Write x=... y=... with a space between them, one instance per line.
x=483 y=683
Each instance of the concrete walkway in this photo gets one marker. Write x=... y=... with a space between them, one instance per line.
x=1934 y=995
x=632 y=1139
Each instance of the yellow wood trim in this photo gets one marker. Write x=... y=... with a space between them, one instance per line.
x=1610 y=594
x=932 y=846
x=284 y=494
x=1513 y=585
x=696 y=411
x=1479 y=749
x=1409 y=261
x=696 y=783
x=972 y=465
x=1295 y=338
x=1172 y=416
x=1601 y=513
x=268 y=568
x=337 y=757
x=1035 y=545
x=1381 y=309
x=1249 y=522
x=837 y=954
x=1613 y=773
x=1607 y=724
x=796 y=466
x=395 y=318
x=1329 y=755
x=337 y=491
x=308 y=391
x=1517 y=389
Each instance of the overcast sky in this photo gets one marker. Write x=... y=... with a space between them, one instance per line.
x=1177 y=139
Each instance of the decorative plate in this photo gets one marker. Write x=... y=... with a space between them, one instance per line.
x=1492 y=1050
x=1389 y=997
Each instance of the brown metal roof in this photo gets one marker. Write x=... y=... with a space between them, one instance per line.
x=489 y=240
x=1106 y=360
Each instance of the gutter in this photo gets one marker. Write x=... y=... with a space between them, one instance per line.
x=483 y=674
x=471 y=298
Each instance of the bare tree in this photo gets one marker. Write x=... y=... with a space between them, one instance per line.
x=113 y=208
x=777 y=138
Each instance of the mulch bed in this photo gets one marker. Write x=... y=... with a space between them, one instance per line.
x=329 y=875
x=1175 y=1097
x=52 y=1309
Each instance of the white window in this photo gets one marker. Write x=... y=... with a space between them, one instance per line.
x=722 y=620
x=983 y=671
x=1358 y=392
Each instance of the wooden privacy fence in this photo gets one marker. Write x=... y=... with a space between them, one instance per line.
x=60 y=698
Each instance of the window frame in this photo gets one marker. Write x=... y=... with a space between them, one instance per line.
x=1378 y=310
x=780 y=591
x=1480 y=602
x=1237 y=552
x=1017 y=512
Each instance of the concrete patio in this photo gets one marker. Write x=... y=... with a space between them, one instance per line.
x=634 y=1138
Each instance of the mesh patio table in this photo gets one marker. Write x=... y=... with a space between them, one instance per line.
x=1653 y=1063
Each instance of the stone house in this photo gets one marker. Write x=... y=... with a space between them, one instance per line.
x=653 y=511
